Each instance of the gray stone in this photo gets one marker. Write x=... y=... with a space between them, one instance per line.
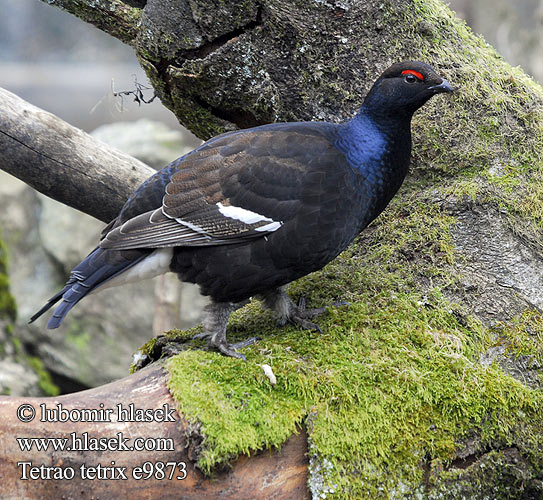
x=56 y=222
x=17 y=380
x=150 y=141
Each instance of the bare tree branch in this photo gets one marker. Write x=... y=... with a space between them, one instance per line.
x=115 y=17
x=63 y=162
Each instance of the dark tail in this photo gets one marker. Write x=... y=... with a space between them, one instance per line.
x=50 y=303
x=98 y=267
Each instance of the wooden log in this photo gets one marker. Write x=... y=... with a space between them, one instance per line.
x=278 y=474
x=63 y=162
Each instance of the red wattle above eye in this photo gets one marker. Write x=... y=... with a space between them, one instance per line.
x=413 y=72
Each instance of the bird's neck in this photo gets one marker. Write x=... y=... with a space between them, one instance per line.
x=377 y=144
x=378 y=150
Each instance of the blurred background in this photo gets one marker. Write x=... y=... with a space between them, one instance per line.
x=67 y=67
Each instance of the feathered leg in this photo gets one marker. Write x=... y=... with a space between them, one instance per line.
x=288 y=312
x=215 y=321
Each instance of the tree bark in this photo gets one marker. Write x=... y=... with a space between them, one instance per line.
x=462 y=239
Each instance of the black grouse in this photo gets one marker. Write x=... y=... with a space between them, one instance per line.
x=249 y=211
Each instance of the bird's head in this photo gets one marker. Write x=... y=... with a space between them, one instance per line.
x=403 y=88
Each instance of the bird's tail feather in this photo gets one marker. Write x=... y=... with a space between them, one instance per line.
x=69 y=299
x=50 y=303
x=98 y=267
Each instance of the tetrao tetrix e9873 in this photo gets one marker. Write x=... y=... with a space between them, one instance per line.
x=252 y=210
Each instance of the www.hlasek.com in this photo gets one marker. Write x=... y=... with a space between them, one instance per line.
x=85 y=442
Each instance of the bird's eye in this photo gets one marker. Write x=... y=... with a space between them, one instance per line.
x=412 y=76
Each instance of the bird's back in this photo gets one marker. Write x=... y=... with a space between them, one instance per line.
x=294 y=173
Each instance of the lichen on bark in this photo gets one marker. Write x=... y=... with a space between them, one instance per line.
x=115 y=17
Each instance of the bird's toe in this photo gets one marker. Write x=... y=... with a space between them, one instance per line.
x=245 y=343
x=202 y=336
x=281 y=322
x=229 y=350
x=232 y=349
x=302 y=317
x=304 y=323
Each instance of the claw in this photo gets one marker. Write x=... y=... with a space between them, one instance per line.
x=282 y=322
x=304 y=323
x=228 y=350
x=245 y=343
x=301 y=316
x=201 y=336
x=231 y=349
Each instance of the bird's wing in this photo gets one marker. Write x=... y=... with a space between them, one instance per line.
x=235 y=187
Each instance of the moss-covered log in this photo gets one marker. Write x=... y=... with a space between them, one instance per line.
x=153 y=461
x=429 y=384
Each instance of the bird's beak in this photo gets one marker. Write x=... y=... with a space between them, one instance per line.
x=444 y=86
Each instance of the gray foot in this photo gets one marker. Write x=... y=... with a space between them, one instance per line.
x=219 y=343
x=300 y=316
x=214 y=323
x=288 y=312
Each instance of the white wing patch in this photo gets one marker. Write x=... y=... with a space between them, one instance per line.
x=272 y=226
x=248 y=217
x=194 y=227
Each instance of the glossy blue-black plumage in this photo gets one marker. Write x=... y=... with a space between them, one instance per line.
x=251 y=210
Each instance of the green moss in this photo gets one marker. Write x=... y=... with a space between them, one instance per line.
x=45 y=382
x=500 y=474
x=391 y=383
x=208 y=125
x=147 y=348
x=523 y=335
x=152 y=350
x=142 y=356
x=491 y=138
x=8 y=308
